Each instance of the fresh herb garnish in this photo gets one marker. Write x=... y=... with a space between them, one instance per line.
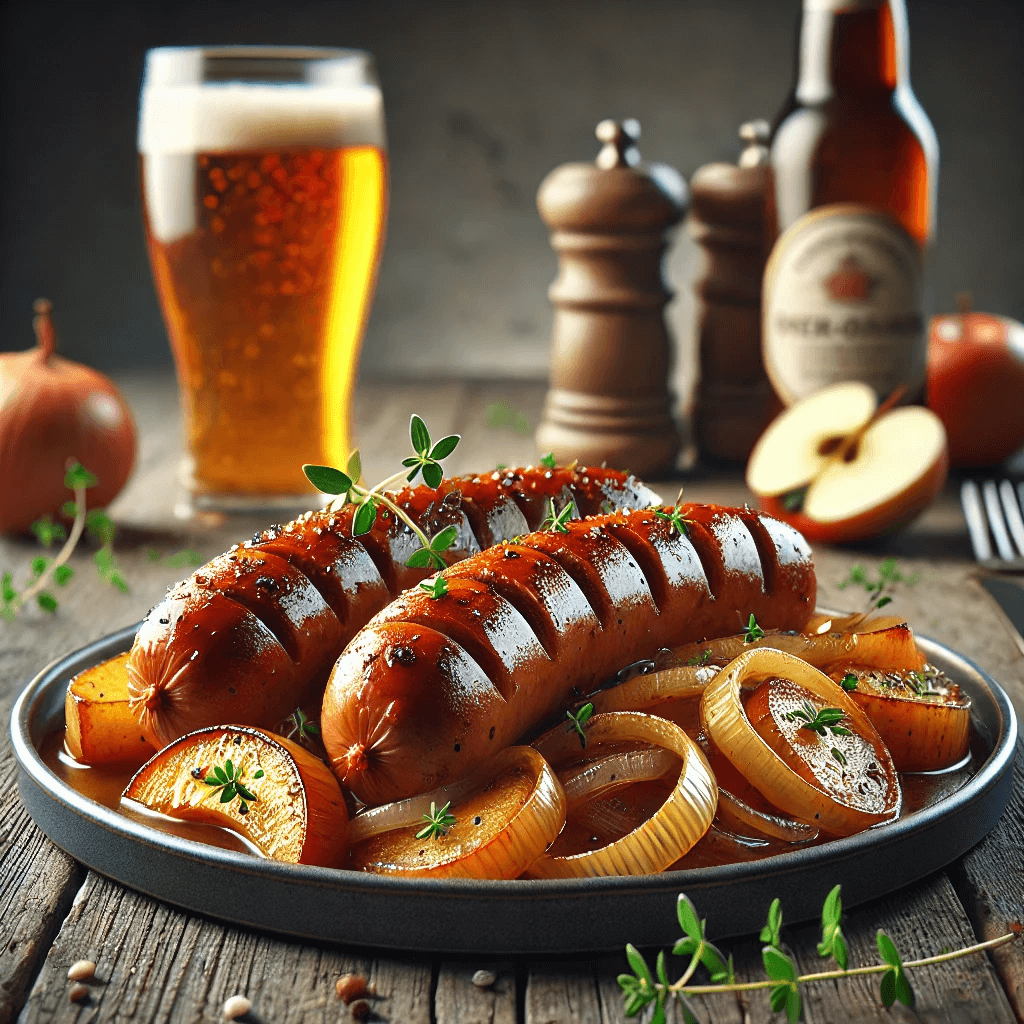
x=818 y=721
x=438 y=821
x=426 y=460
x=678 y=521
x=642 y=987
x=229 y=781
x=888 y=576
x=702 y=660
x=555 y=521
x=754 y=631
x=300 y=724
x=849 y=681
x=549 y=461
x=436 y=587
x=579 y=720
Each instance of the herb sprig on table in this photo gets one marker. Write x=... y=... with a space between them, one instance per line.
x=879 y=591
x=44 y=571
x=643 y=988
x=426 y=460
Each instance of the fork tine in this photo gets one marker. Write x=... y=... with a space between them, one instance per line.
x=995 y=520
x=1014 y=520
x=970 y=499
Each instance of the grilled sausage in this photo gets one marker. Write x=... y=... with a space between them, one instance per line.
x=432 y=687
x=254 y=633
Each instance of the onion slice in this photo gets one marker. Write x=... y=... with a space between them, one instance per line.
x=891 y=648
x=607 y=774
x=664 y=837
x=672 y=693
x=855 y=802
x=509 y=813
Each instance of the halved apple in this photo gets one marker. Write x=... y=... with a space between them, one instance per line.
x=840 y=471
x=98 y=727
x=280 y=797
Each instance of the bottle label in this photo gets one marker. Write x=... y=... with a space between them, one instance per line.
x=843 y=301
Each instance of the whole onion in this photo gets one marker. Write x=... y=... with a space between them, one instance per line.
x=53 y=410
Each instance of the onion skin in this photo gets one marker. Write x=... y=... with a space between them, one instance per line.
x=53 y=410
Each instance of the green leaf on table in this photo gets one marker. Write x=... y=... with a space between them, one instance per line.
x=38 y=566
x=62 y=574
x=771 y=932
x=46 y=601
x=688 y=920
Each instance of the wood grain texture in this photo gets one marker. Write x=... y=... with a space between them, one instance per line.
x=156 y=964
x=990 y=883
x=921 y=920
x=37 y=884
x=458 y=1001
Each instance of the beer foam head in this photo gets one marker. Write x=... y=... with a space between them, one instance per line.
x=335 y=105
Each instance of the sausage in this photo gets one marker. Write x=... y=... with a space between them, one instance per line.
x=253 y=634
x=432 y=687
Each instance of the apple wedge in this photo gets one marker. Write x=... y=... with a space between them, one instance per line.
x=98 y=727
x=277 y=795
x=839 y=471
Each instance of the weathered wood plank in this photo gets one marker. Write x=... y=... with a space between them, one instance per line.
x=458 y=1001
x=990 y=883
x=157 y=964
x=921 y=920
x=37 y=884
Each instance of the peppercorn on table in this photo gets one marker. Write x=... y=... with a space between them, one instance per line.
x=154 y=962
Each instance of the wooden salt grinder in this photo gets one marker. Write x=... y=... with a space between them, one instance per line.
x=734 y=401
x=610 y=351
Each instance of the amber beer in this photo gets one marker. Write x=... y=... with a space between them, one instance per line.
x=265 y=206
x=854 y=162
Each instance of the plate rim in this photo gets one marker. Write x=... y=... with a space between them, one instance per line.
x=33 y=769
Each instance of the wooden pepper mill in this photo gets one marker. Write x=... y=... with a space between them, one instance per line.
x=734 y=401
x=610 y=350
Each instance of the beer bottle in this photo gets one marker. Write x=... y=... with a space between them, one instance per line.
x=851 y=213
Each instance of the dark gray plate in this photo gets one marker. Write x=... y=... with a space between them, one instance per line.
x=578 y=915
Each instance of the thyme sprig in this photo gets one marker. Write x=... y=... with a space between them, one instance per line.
x=879 y=590
x=228 y=779
x=77 y=479
x=426 y=460
x=555 y=521
x=754 y=631
x=435 y=587
x=300 y=725
x=818 y=720
x=678 y=521
x=643 y=988
x=438 y=821
x=578 y=721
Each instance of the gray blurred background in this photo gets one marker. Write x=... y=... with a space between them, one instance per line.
x=482 y=99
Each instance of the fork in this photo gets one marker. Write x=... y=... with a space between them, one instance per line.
x=995 y=508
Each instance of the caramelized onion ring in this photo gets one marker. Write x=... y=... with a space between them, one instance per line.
x=725 y=721
x=684 y=817
x=596 y=778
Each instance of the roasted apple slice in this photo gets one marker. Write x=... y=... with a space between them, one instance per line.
x=923 y=717
x=277 y=795
x=98 y=727
x=492 y=825
x=802 y=742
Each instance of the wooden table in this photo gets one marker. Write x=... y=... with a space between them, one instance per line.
x=157 y=963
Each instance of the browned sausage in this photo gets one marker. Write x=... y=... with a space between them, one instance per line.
x=433 y=686
x=254 y=633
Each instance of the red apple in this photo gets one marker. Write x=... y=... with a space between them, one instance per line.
x=839 y=473
x=976 y=385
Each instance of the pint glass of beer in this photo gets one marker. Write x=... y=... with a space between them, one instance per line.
x=264 y=180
